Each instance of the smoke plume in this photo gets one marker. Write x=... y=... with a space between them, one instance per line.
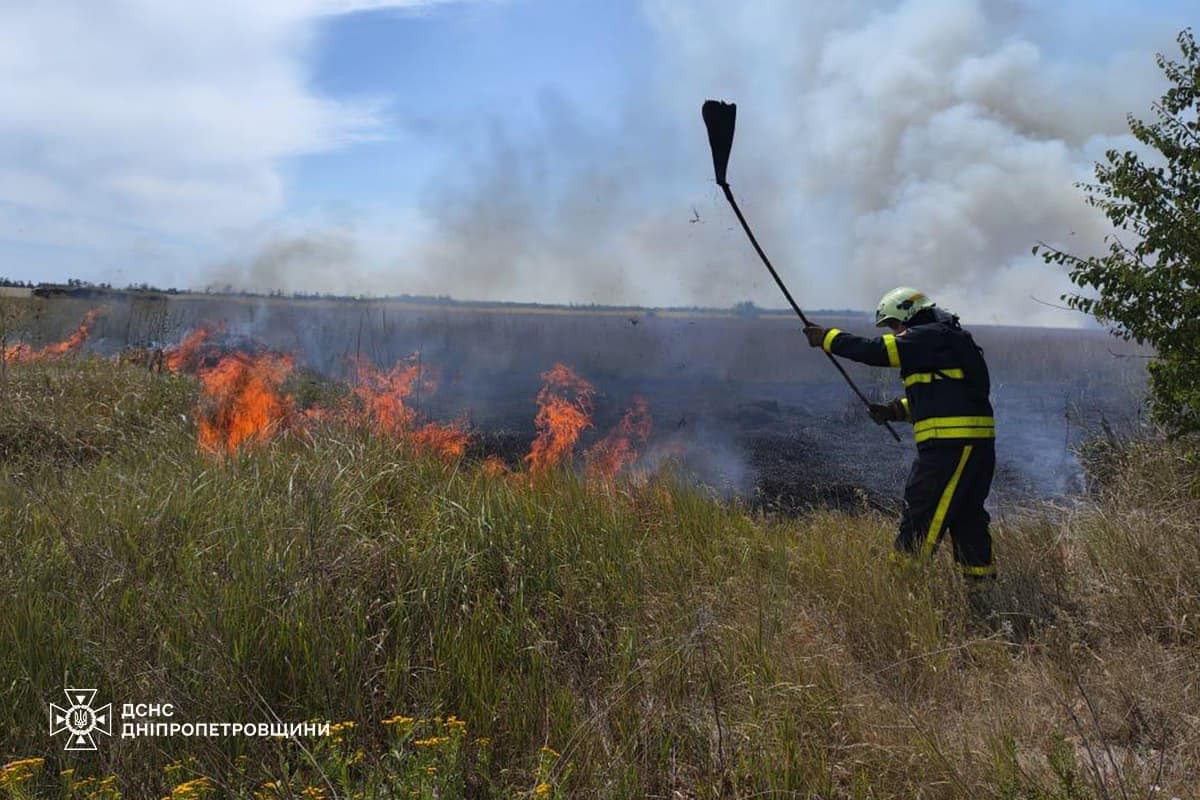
x=925 y=142
x=880 y=143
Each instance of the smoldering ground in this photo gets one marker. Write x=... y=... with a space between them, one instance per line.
x=739 y=403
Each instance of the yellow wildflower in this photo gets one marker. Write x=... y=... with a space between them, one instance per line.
x=313 y=792
x=190 y=789
x=543 y=790
x=270 y=790
x=399 y=719
x=547 y=750
x=358 y=756
x=432 y=741
x=19 y=771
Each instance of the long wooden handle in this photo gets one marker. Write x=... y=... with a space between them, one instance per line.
x=779 y=282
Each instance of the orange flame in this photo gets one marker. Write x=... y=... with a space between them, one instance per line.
x=383 y=394
x=494 y=466
x=564 y=410
x=321 y=414
x=241 y=401
x=21 y=353
x=182 y=357
x=618 y=449
x=449 y=441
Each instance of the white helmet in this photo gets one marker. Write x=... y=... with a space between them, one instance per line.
x=900 y=304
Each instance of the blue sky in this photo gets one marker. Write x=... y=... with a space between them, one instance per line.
x=551 y=150
x=445 y=71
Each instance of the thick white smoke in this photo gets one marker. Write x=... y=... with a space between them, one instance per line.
x=926 y=142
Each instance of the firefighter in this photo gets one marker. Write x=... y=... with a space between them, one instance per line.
x=946 y=388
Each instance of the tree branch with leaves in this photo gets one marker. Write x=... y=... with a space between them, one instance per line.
x=1147 y=287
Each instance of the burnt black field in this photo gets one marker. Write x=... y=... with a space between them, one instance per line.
x=740 y=403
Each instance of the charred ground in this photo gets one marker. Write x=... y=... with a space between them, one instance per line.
x=738 y=401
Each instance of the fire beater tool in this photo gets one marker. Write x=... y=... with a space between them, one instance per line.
x=719 y=118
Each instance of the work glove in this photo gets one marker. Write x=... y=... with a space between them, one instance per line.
x=886 y=412
x=815 y=334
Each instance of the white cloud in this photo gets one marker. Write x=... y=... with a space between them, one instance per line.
x=165 y=116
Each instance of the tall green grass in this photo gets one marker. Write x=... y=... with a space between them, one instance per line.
x=634 y=640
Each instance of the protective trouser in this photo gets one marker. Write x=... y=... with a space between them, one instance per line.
x=946 y=490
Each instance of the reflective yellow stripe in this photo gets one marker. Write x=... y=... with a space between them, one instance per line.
x=955 y=422
x=907 y=410
x=830 y=335
x=955 y=433
x=989 y=569
x=939 y=516
x=929 y=377
x=955 y=428
x=889 y=341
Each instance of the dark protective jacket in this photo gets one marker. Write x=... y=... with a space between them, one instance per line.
x=946 y=382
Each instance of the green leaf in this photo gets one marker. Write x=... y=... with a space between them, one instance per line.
x=1147 y=287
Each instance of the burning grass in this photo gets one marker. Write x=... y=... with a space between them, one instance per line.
x=619 y=449
x=24 y=353
x=241 y=401
x=247 y=397
x=564 y=410
x=647 y=641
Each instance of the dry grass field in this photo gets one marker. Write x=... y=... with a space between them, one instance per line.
x=481 y=633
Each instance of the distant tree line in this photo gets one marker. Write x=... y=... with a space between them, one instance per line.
x=745 y=308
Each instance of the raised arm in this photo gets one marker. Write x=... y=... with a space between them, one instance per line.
x=882 y=351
